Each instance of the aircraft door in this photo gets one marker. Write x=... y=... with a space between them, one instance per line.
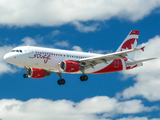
x=31 y=52
x=116 y=63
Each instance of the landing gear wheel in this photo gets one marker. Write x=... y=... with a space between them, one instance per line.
x=84 y=78
x=81 y=78
x=61 y=82
x=25 y=75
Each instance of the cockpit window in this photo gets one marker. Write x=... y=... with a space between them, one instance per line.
x=17 y=51
x=13 y=50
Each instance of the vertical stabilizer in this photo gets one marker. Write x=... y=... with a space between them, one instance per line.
x=130 y=42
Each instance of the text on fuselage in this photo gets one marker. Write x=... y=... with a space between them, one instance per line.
x=45 y=57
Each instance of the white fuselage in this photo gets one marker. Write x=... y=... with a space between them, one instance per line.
x=49 y=59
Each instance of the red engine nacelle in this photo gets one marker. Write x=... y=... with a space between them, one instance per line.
x=37 y=73
x=69 y=66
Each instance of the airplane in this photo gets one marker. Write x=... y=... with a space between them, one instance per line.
x=40 y=62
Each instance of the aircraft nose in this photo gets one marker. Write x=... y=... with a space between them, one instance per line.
x=6 y=57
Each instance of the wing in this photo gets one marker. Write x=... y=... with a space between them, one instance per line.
x=92 y=61
x=138 y=61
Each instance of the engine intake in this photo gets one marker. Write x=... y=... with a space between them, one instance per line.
x=36 y=73
x=69 y=66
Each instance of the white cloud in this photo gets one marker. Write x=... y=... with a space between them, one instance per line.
x=134 y=118
x=137 y=118
x=82 y=28
x=88 y=109
x=59 y=12
x=5 y=68
x=62 y=44
x=100 y=51
x=28 y=41
x=55 y=32
x=147 y=77
x=77 y=48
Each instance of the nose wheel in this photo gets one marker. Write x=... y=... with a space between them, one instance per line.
x=28 y=72
x=25 y=75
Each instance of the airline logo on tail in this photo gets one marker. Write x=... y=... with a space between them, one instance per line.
x=129 y=44
x=130 y=41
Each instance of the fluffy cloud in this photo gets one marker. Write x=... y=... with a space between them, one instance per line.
x=5 y=68
x=134 y=118
x=147 y=77
x=77 y=48
x=59 y=12
x=62 y=44
x=88 y=109
x=55 y=33
x=138 y=118
x=82 y=28
x=28 y=41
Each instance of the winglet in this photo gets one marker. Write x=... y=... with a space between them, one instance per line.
x=142 y=48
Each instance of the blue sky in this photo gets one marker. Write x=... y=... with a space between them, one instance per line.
x=97 y=26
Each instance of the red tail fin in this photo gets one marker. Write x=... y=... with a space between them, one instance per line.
x=130 y=42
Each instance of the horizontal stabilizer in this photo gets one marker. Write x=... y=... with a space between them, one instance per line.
x=138 y=61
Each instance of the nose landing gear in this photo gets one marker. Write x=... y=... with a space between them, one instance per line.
x=27 y=72
x=25 y=75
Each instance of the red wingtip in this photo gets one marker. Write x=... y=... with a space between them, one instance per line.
x=142 y=48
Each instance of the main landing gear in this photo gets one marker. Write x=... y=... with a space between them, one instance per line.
x=61 y=81
x=84 y=78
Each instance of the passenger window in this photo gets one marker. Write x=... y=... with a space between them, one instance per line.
x=17 y=50
x=20 y=51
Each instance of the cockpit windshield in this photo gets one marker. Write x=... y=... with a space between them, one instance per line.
x=17 y=51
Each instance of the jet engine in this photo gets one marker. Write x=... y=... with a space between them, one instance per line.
x=36 y=73
x=69 y=66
